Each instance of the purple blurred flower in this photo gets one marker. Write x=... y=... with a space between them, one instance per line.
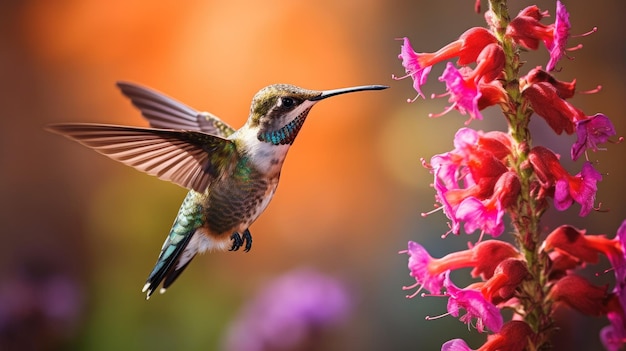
x=287 y=310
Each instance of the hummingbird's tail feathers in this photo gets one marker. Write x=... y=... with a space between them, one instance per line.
x=162 y=111
x=170 y=264
x=189 y=159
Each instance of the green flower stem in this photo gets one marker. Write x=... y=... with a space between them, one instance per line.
x=527 y=212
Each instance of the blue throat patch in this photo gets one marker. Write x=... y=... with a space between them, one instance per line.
x=286 y=134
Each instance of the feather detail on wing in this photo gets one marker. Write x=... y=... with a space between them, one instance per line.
x=190 y=159
x=163 y=112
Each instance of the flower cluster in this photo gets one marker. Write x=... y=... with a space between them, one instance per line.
x=492 y=174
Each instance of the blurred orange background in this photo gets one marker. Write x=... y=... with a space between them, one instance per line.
x=80 y=232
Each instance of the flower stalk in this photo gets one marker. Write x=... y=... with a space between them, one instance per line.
x=490 y=174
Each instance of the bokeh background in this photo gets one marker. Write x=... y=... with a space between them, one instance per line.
x=80 y=232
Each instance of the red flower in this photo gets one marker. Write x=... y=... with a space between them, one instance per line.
x=527 y=31
x=466 y=48
x=545 y=100
x=428 y=272
x=566 y=188
x=576 y=292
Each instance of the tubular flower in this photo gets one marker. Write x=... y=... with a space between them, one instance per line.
x=576 y=292
x=484 y=257
x=465 y=86
x=567 y=188
x=464 y=93
x=506 y=278
x=429 y=272
x=423 y=268
x=577 y=244
x=475 y=305
x=545 y=101
x=547 y=95
x=413 y=67
x=564 y=90
x=527 y=31
x=466 y=181
x=487 y=214
x=466 y=48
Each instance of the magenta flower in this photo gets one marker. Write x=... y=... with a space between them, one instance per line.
x=484 y=258
x=475 y=305
x=613 y=336
x=484 y=215
x=466 y=181
x=467 y=48
x=592 y=131
x=411 y=63
x=580 y=188
x=456 y=345
x=526 y=30
x=419 y=260
x=464 y=94
x=556 y=44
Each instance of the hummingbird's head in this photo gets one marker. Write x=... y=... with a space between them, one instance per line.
x=278 y=111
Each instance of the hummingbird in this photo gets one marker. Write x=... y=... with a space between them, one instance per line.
x=231 y=174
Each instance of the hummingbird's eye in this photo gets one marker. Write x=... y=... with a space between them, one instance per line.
x=287 y=101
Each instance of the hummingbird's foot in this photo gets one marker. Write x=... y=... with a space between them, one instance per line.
x=240 y=240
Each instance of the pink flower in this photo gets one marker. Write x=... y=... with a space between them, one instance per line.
x=476 y=307
x=466 y=180
x=484 y=215
x=464 y=94
x=411 y=62
x=592 y=131
x=483 y=257
x=421 y=269
x=580 y=188
x=466 y=48
x=567 y=188
x=526 y=30
x=456 y=345
x=560 y=33
x=613 y=336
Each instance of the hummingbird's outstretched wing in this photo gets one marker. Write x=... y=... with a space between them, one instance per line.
x=190 y=159
x=163 y=112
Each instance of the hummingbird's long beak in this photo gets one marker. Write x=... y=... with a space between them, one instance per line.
x=328 y=93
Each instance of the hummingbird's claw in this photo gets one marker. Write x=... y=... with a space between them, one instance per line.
x=240 y=240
